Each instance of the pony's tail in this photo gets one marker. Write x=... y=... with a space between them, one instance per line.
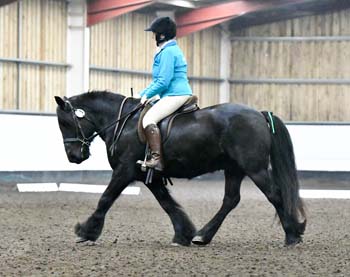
x=284 y=171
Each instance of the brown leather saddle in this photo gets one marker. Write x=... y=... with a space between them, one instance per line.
x=165 y=124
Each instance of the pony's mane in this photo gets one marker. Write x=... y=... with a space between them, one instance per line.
x=98 y=94
x=97 y=99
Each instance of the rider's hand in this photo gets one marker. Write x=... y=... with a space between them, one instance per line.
x=143 y=99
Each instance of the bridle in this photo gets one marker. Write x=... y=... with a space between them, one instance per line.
x=79 y=114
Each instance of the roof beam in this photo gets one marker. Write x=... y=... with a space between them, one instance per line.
x=100 y=10
x=202 y=18
x=5 y=2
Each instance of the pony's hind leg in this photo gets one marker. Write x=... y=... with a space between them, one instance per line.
x=291 y=226
x=183 y=227
x=233 y=179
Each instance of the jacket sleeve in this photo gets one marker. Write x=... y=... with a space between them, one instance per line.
x=165 y=74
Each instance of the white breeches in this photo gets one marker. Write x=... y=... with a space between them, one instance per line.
x=164 y=107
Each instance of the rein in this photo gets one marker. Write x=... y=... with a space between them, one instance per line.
x=115 y=135
x=80 y=114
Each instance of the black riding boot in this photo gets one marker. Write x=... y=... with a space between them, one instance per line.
x=155 y=143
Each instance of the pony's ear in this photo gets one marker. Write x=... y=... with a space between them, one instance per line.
x=60 y=102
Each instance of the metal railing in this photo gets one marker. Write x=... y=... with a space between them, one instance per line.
x=291 y=81
x=34 y=62
x=291 y=39
x=148 y=74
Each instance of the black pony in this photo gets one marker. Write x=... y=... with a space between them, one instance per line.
x=229 y=137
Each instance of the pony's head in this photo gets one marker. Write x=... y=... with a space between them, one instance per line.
x=76 y=128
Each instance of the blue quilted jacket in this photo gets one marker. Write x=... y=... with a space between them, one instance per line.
x=169 y=73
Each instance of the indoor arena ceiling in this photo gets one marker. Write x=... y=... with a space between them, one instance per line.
x=269 y=11
x=307 y=8
x=271 y=14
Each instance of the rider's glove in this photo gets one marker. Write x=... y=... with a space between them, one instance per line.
x=143 y=99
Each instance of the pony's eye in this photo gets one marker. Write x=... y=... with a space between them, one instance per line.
x=79 y=113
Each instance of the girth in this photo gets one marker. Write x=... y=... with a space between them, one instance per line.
x=165 y=124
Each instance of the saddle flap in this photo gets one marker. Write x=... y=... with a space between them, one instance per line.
x=165 y=124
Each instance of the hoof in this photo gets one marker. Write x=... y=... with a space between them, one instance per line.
x=85 y=242
x=292 y=241
x=175 y=244
x=198 y=240
x=302 y=227
x=86 y=234
x=81 y=240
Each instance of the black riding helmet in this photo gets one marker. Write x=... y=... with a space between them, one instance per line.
x=164 y=28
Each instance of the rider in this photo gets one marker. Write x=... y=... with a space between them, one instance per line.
x=170 y=83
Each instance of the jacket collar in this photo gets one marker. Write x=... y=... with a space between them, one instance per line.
x=166 y=44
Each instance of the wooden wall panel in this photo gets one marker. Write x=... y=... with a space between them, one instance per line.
x=207 y=92
x=43 y=33
x=330 y=24
x=298 y=59
x=186 y=45
x=8 y=86
x=103 y=45
x=103 y=81
x=252 y=59
x=121 y=43
x=202 y=51
x=296 y=102
x=8 y=49
x=52 y=83
x=41 y=84
x=54 y=31
x=31 y=23
x=8 y=30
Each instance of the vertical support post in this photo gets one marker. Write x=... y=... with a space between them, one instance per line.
x=19 y=53
x=77 y=49
x=225 y=63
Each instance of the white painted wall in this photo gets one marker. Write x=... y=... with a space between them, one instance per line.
x=34 y=143
x=321 y=147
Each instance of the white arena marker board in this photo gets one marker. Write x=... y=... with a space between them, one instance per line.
x=37 y=187
x=324 y=194
x=94 y=188
x=69 y=187
x=81 y=188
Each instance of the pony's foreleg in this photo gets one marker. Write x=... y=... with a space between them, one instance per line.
x=183 y=227
x=231 y=199
x=92 y=227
